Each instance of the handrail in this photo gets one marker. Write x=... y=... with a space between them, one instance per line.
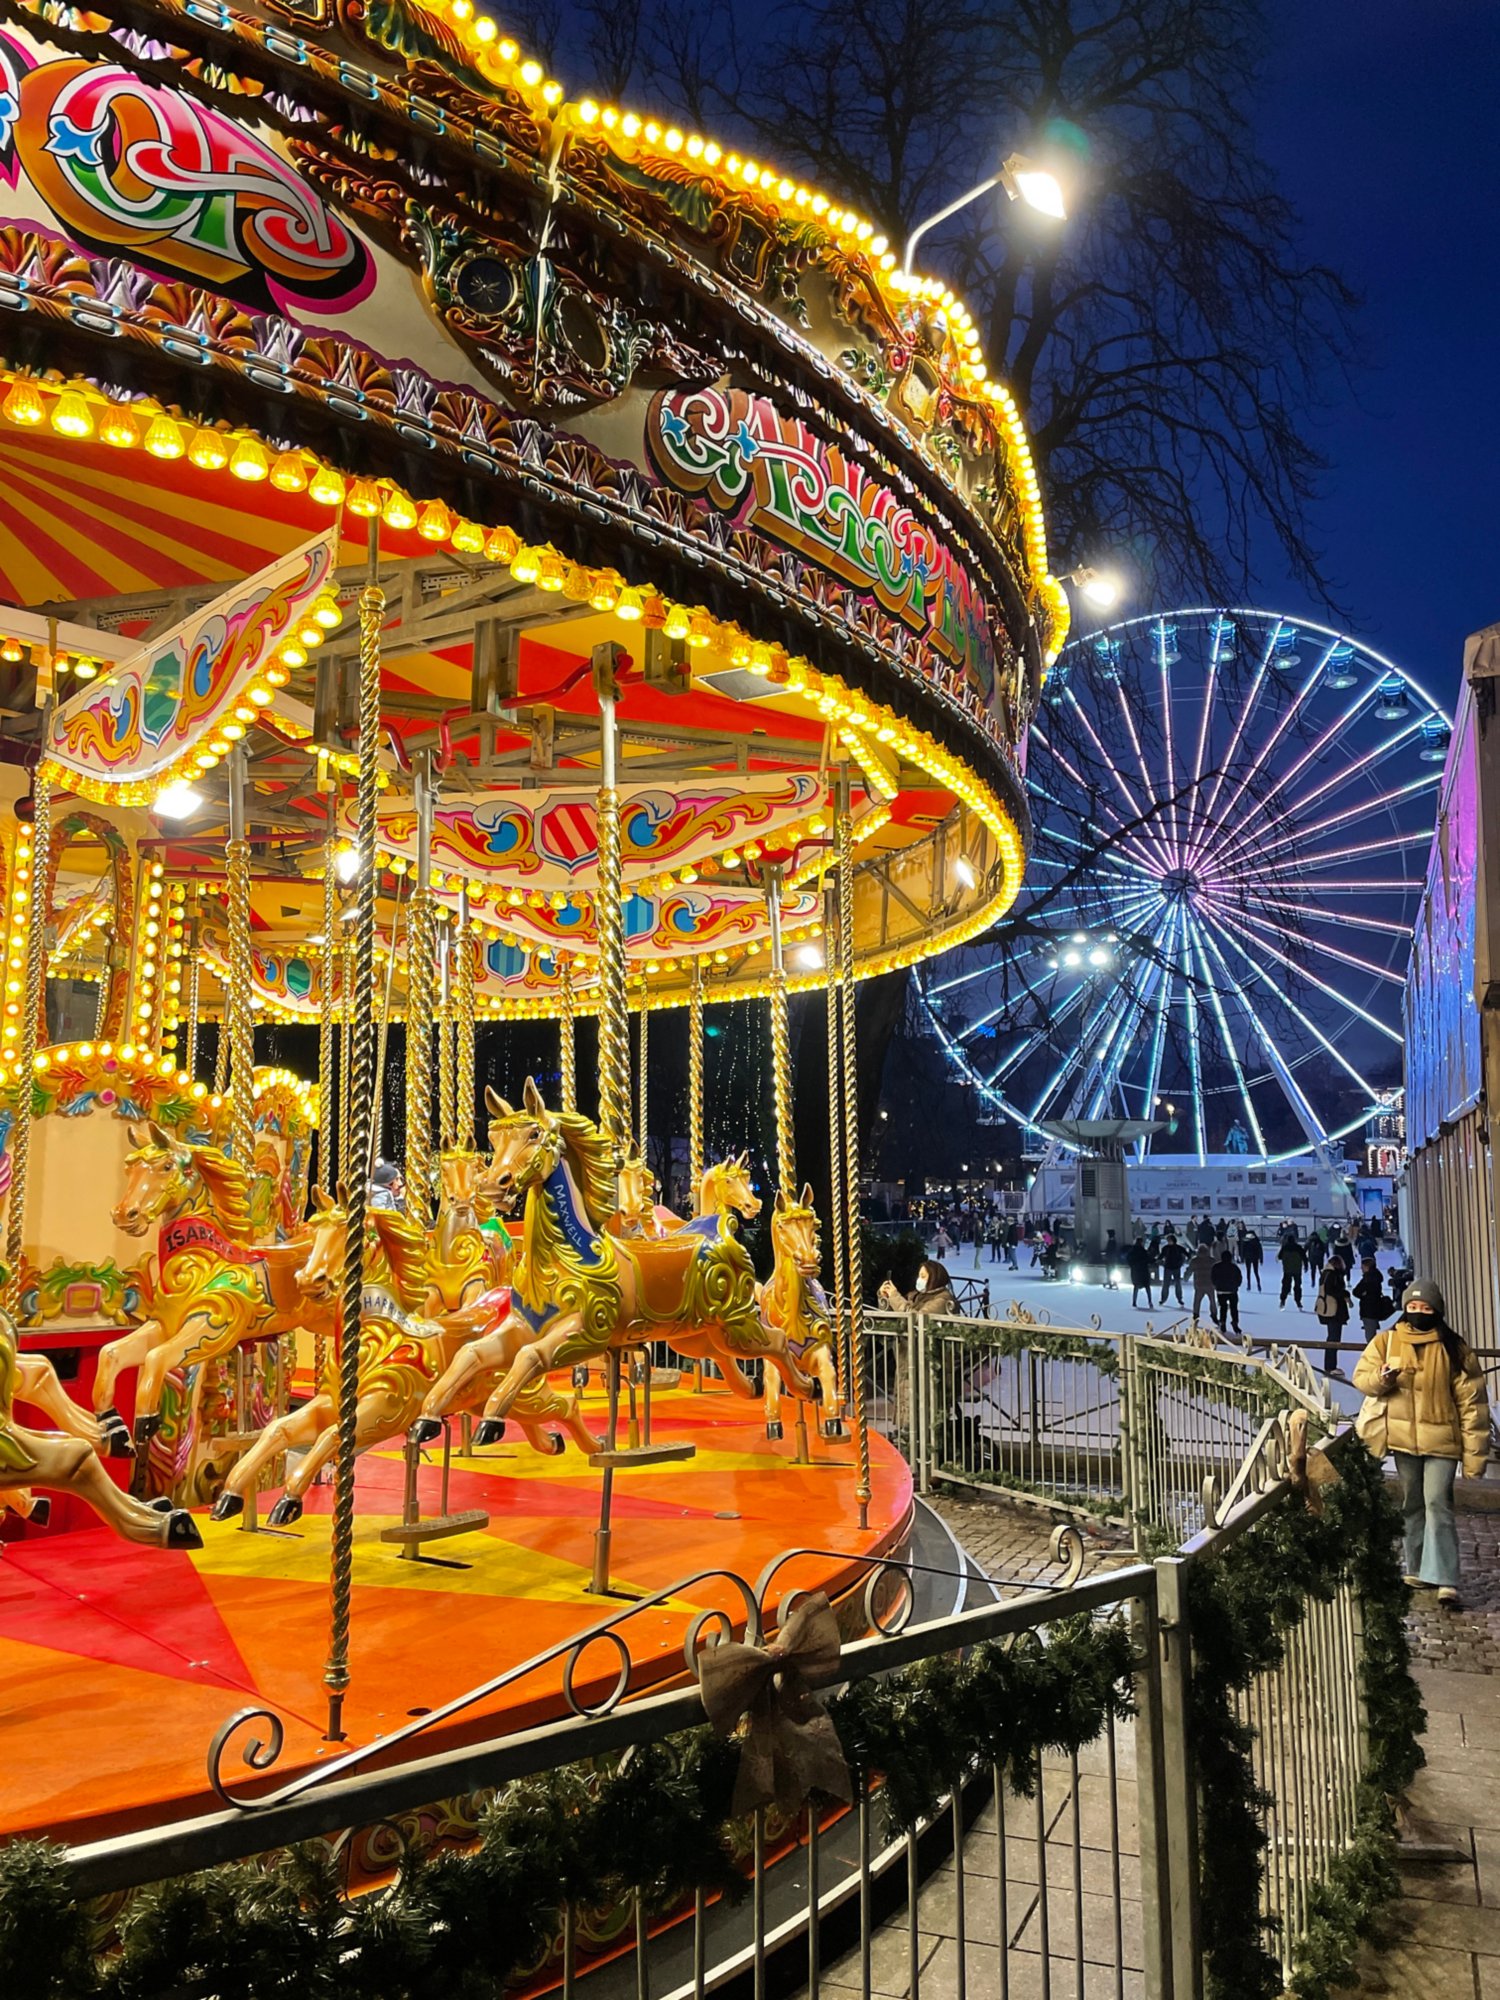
x=360 y=1799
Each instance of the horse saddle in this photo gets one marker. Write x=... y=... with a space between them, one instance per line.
x=663 y=1263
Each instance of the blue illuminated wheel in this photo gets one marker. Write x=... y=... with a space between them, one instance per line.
x=1233 y=811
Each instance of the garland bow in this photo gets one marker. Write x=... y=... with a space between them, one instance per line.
x=789 y=1745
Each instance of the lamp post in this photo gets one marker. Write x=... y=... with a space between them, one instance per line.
x=1022 y=179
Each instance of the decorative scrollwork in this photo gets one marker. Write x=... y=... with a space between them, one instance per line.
x=256 y=1754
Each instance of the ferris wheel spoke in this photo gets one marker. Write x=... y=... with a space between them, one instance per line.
x=1276 y=801
x=1242 y=720
x=1159 y=1031
x=1226 y=922
x=1104 y=850
x=1264 y=924
x=1247 y=842
x=1152 y=971
x=1343 y=775
x=1204 y=716
x=1263 y=899
x=1365 y=848
x=1258 y=761
x=1312 y=1126
x=1087 y=1040
x=1392 y=885
x=1195 y=1067
x=1216 y=1004
x=1166 y=853
x=1016 y=1056
x=1111 y=764
x=1259 y=975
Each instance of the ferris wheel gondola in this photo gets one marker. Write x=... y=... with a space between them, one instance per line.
x=1232 y=813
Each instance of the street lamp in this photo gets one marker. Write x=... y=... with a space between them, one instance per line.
x=1102 y=589
x=1023 y=180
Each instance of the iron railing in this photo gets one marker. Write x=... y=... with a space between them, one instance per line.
x=1128 y=1429
x=1087 y=1887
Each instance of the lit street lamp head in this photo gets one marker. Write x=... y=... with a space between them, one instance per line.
x=1024 y=180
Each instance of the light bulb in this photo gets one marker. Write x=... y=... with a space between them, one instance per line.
x=249 y=462
x=72 y=417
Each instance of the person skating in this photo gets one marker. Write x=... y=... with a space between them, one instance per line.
x=1226 y=1283
x=1425 y=1403
x=1139 y=1258
x=1252 y=1250
x=1201 y=1272
x=1316 y=1251
x=1332 y=1309
x=1173 y=1257
x=1292 y=1258
x=1369 y=1296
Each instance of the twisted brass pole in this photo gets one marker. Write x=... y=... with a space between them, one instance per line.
x=447 y=1054
x=241 y=1020
x=835 y=1146
x=614 y=1014
x=371 y=618
x=463 y=973
x=781 y=1046
x=854 y=1248
x=346 y=1058
x=421 y=924
x=327 y=1003
x=695 y=1084
x=643 y=1075
x=32 y=1000
x=193 y=942
x=567 y=1052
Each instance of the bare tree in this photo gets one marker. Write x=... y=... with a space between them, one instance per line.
x=1168 y=345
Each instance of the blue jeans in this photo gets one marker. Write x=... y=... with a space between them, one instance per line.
x=1431 y=1533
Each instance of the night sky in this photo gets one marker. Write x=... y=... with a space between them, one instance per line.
x=1378 y=117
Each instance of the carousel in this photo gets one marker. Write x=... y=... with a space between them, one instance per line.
x=468 y=554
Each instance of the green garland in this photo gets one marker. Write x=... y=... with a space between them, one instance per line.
x=458 y=1925
x=1240 y=1606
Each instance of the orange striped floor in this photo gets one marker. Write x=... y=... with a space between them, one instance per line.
x=117 y=1664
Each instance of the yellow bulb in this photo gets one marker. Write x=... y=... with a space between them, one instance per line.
x=434 y=523
x=24 y=404
x=631 y=605
x=468 y=538
x=604 y=593
x=531 y=73
x=327 y=487
x=310 y=633
x=118 y=428
x=326 y=611
x=207 y=449
x=678 y=624
x=288 y=474
x=503 y=545
x=72 y=417
x=552 y=571
x=249 y=462
x=364 y=499
x=399 y=512
x=292 y=654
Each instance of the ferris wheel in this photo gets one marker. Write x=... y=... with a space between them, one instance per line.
x=1232 y=810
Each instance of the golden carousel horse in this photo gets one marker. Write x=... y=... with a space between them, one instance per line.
x=580 y=1291
x=62 y=1464
x=214 y=1288
x=724 y=1192
x=400 y=1356
x=793 y=1301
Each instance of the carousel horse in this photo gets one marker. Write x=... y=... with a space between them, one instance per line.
x=793 y=1301
x=30 y=1459
x=580 y=1292
x=214 y=1288
x=36 y=1383
x=463 y=1243
x=723 y=1192
x=400 y=1356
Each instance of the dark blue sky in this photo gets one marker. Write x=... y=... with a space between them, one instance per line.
x=1379 y=117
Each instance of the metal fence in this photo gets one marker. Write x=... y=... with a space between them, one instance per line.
x=1130 y=1429
x=1086 y=1887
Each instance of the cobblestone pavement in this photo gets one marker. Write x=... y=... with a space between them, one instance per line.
x=1465 y=1641
x=1009 y=1540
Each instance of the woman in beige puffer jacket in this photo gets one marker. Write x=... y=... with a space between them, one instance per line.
x=1424 y=1381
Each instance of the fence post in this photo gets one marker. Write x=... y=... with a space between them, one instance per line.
x=916 y=1369
x=1181 y=1782
x=1131 y=1485
x=1151 y=1801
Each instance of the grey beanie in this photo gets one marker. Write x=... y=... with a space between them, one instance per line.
x=1423 y=1293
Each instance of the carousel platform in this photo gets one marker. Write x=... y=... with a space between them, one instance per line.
x=117 y=1663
